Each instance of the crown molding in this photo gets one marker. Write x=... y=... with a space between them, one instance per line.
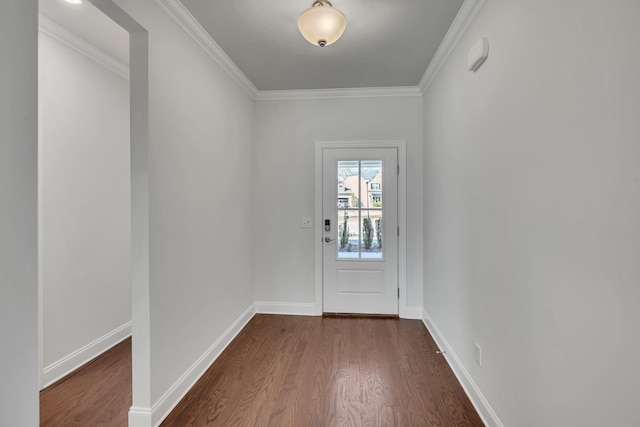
x=192 y=27
x=365 y=92
x=71 y=40
x=465 y=17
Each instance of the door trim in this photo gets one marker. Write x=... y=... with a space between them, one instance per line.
x=401 y=145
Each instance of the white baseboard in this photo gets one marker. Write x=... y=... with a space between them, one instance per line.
x=486 y=412
x=176 y=392
x=411 y=312
x=288 y=308
x=73 y=361
x=139 y=417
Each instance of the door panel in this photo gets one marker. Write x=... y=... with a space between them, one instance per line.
x=360 y=282
x=360 y=218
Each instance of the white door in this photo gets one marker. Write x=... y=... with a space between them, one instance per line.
x=360 y=230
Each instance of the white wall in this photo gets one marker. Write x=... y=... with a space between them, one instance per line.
x=532 y=211
x=85 y=207
x=200 y=138
x=18 y=214
x=286 y=131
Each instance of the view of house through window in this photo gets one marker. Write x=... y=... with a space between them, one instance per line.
x=360 y=209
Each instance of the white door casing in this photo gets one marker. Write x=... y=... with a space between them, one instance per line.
x=360 y=185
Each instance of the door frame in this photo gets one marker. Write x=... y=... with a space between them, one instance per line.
x=401 y=146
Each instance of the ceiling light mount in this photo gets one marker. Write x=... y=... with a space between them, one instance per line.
x=322 y=24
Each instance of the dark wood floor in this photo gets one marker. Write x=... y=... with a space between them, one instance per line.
x=311 y=371
x=288 y=371
x=97 y=394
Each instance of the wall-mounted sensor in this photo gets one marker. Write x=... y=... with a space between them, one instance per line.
x=478 y=54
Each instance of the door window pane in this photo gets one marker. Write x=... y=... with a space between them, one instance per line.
x=371 y=233
x=348 y=185
x=348 y=233
x=359 y=209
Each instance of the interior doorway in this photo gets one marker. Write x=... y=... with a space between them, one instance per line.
x=93 y=180
x=84 y=206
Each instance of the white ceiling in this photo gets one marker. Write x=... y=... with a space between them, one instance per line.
x=387 y=42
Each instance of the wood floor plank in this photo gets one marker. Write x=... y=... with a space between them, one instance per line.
x=281 y=413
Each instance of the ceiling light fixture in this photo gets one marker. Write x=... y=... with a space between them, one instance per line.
x=74 y=1
x=322 y=24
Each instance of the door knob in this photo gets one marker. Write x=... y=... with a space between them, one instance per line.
x=329 y=240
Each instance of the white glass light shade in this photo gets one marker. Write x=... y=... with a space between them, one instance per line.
x=322 y=24
x=74 y=1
